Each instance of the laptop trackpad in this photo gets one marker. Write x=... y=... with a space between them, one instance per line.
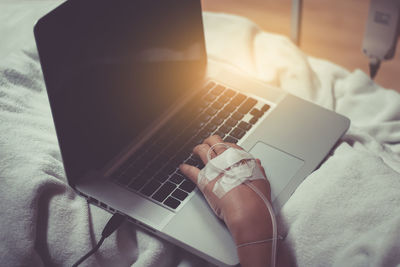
x=279 y=166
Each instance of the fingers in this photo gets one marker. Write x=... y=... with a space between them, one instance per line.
x=215 y=139
x=202 y=151
x=234 y=145
x=190 y=171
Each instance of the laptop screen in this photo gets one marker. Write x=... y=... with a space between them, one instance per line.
x=112 y=67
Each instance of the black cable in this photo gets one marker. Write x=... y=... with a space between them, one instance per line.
x=92 y=251
x=113 y=224
x=374 y=67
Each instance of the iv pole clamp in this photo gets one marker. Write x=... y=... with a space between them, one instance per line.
x=381 y=32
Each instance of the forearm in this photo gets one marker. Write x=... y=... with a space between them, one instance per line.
x=260 y=255
x=253 y=236
x=253 y=226
x=255 y=255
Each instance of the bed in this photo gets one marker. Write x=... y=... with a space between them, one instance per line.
x=346 y=213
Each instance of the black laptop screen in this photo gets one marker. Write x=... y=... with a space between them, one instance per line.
x=112 y=67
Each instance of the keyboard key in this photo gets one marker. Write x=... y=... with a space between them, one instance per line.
x=187 y=186
x=237 y=116
x=169 y=169
x=124 y=179
x=151 y=187
x=198 y=109
x=253 y=120
x=175 y=161
x=197 y=140
x=188 y=147
x=136 y=166
x=205 y=133
x=217 y=90
x=231 y=122
x=176 y=178
x=175 y=146
x=217 y=105
x=244 y=125
x=186 y=135
x=217 y=121
x=179 y=172
x=147 y=156
x=225 y=129
x=161 y=176
x=238 y=133
x=172 y=202
x=229 y=93
x=211 y=111
x=194 y=161
x=154 y=149
x=209 y=85
x=157 y=164
x=162 y=157
x=127 y=163
x=191 y=161
x=265 y=108
x=256 y=113
x=230 y=139
x=184 y=154
x=168 y=136
x=178 y=159
x=149 y=172
x=209 y=98
x=138 y=183
x=133 y=170
x=117 y=173
x=223 y=99
x=164 y=191
x=223 y=114
x=220 y=134
x=203 y=103
x=204 y=117
x=141 y=150
x=229 y=108
x=211 y=127
x=238 y=99
x=179 y=194
x=197 y=125
x=199 y=164
x=247 y=105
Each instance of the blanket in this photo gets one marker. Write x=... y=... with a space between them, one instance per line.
x=346 y=213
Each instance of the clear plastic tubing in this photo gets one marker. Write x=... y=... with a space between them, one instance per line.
x=257 y=191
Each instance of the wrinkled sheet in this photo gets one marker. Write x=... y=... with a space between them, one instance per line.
x=346 y=213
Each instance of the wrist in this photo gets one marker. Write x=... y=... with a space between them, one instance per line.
x=250 y=227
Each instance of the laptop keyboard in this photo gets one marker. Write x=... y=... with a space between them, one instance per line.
x=153 y=170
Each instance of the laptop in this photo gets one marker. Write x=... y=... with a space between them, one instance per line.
x=130 y=97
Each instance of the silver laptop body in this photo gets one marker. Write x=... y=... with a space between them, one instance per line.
x=291 y=138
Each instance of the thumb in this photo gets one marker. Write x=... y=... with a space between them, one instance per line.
x=190 y=171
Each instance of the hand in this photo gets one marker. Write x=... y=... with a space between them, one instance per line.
x=244 y=213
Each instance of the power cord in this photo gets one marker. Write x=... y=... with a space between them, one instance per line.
x=113 y=224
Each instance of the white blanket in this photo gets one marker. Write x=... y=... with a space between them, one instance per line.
x=346 y=213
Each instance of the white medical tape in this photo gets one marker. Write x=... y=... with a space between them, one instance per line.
x=233 y=166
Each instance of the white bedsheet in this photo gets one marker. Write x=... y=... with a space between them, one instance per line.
x=346 y=213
